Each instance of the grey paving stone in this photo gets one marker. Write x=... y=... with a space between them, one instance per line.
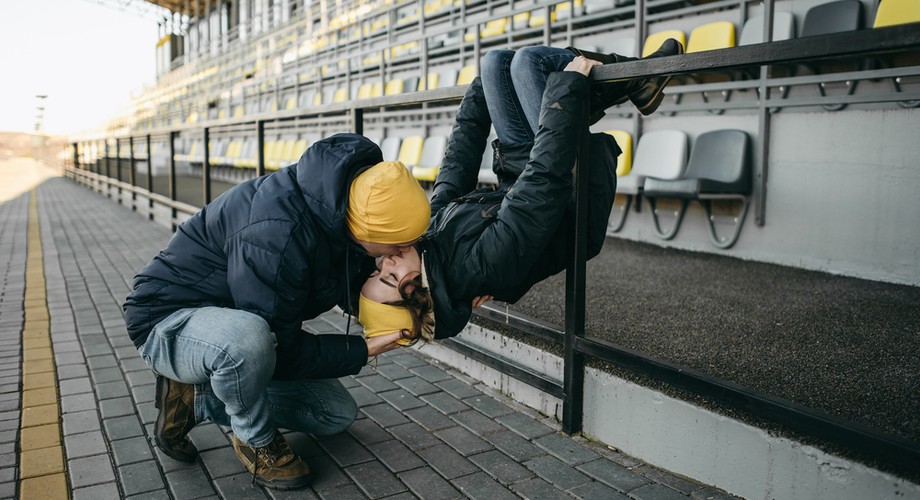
x=376 y=383
x=98 y=492
x=221 y=462
x=189 y=483
x=208 y=436
x=501 y=467
x=712 y=494
x=126 y=352
x=525 y=426
x=375 y=480
x=134 y=364
x=363 y=396
x=75 y=386
x=477 y=422
x=71 y=346
x=9 y=425
x=90 y=470
x=431 y=373
x=367 y=432
x=349 y=382
x=445 y=403
x=305 y=446
x=480 y=486
x=147 y=411
x=447 y=462
x=401 y=399
x=8 y=490
x=238 y=486
x=70 y=358
x=414 y=436
x=458 y=388
x=80 y=421
x=393 y=371
x=385 y=415
x=669 y=480
x=655 y=491
x=117 y=407
x=131 y=450
x=85 y=444
x=301 y=494
x=566 y=449
x=513 y=445
x=78 y=402
x=326 y=476
x=430 y=418
x=613 y=475
x=560 y=474
x=108 y=374
x=140 y=477
x=462 y=440
x=488 y=406
x=122 y=427
x=8 y=474
x=395 y=456
x=407 y=360
x=96 y=362
x=144 y=393
x=8 y=455
x=348 y=492
x=598 y=491
x=109 y=390
x=426 y=483
x=8 y=436
x=96 y=349
x=345 y=450
x=13 y=406
x=150 y=495
x=141 y=377
x=72 y=371
x=537 y=489
x=169 y=464
x=417 y=386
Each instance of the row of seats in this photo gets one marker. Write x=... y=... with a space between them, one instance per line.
x=718 y=167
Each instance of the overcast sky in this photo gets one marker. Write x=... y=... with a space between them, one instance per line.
x=89 y=59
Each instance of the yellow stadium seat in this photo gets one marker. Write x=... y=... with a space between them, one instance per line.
x=624 y=161
x=712 y=36
x=493 y=28
x=394 y=87
x=364 y=91
x=410 y=152
x=653 y=42
x=377 y=89
x=467 y=74
x=432 y=81
x=290 y=103
x=341 y=95
x=318 y=99
x=238 y=111
x=894 y=12
x=564 y=9
x=520 y=21
x=221 y=114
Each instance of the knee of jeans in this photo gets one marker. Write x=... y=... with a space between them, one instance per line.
x=494 y=60
x=254 y=341
x=347 y=412
x=526 y=59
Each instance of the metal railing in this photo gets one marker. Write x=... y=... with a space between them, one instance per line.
x=895 y=453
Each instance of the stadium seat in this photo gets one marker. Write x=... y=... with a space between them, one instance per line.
x=467 y=75
x=564 y=9
x=712 y=36
x=364 y=91
x=493 y=28
x=410 y=152
x=430 y=161
x=538 y=18
x=390 y=148
x=447 y=78
x=341 y=95
x=624 y=161
x=429 y=83
x=238 y=111
x=595 y=6
x=394 y=87
x=306 y=98
x=719 y=169
x=661 y=154
x=625 y=46
x=653 y=42
x=520 y=21
x=833 y=17
x=783 y=29
x=411 y=84
x=895 y=12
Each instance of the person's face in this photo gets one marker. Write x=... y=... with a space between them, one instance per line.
x=383 y=284
x=381 y=249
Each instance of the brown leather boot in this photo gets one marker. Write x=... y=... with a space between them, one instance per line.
x=176 y=402
x=273 y=466
x=645 y=94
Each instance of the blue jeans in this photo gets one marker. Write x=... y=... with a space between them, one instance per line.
x=513 y=83
x=229 y=356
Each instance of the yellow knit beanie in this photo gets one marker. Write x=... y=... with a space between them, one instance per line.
x=387 y=205
x=381 y=319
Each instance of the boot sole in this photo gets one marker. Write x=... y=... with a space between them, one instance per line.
x=652 y=104
x=290 y=484
x=160 y=423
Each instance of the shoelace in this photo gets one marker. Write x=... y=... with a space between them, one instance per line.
x=264 y=454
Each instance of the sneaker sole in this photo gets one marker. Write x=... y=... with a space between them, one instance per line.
x=291 y=484
x=158 y=426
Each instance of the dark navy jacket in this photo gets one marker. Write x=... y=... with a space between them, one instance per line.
x=275 y=246
x=501 y=242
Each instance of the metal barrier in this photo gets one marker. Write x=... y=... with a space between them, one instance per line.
x=894 y=452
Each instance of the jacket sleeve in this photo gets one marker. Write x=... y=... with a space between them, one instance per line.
x=535 y=205
x=266 y=267
x=459 y=171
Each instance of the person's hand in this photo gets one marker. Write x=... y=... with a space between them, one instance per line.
x=480 y=300
x=582 y=64
x=382 y=343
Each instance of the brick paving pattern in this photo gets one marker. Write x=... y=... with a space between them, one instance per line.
x=424 y=430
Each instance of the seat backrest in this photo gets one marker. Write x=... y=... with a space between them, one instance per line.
x=721 y=160
x=625 y=46
x=410 y=152
x=661 y=154
x=341 y=95
x=783 y=29
x=467 y=74
x=447 y=78
x=624 y=161
x=411 y=84
x=712 y=36
x=377 y=89
x=429 y=83
x=364 y=91
x=833 y=17
x=390 y=148
x=894 y=12
x=433 y=151
x=394 y=87
x=653 y=42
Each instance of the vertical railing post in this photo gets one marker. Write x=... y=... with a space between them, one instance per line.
x=172 y=177
x=357 y=120
x=575 y=275
x=762 y=147
x=108 y=173
x=76 y=156
x=132 y=175
x=260 y=148
x=149 y=179
x=206 y=168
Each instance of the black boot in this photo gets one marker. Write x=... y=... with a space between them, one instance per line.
x=645 y=94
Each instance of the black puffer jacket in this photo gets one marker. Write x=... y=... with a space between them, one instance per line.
x=501 y=242
x=275 y=246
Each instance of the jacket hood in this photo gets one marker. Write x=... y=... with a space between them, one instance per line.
x=325 y=171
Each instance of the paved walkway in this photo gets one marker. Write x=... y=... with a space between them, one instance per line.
x=77 y=413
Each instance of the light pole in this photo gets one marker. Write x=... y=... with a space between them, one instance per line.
x=38 y=139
